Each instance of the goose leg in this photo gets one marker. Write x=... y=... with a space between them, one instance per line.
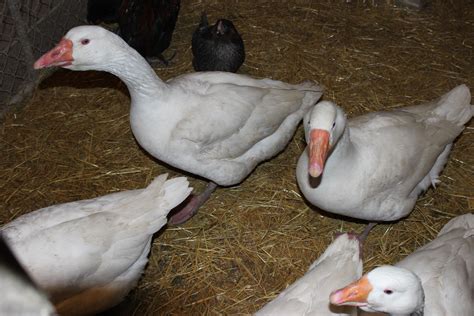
x=191 y=206
x=363 y=236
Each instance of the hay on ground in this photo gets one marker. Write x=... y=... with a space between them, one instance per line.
x=73 y=141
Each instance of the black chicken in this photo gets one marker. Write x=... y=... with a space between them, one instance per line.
x=106 y=11
x=146 y=25
x=217 y=48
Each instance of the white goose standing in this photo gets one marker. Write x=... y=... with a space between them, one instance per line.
x=217 y=125
x=88 y=255
x=435 y=280
x=378 y=163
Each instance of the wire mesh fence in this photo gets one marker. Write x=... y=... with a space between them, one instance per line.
x=27 y=29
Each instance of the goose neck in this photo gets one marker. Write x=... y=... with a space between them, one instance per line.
x=420 y=311
x=416 y=313
x=344 y=146
x=141 y=80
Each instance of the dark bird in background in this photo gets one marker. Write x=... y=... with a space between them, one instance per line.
x=218 y=47
x=146 y=25
x=103 y=11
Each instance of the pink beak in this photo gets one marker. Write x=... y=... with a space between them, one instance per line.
x=318 y=150
x=61 y=55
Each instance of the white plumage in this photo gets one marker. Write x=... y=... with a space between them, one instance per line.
x=435 y=280
x=380 y=162
x=89 y=254
x=217 y=125
x=339 y=264
x=445 y=267
x=214 y=124
x=20 y=296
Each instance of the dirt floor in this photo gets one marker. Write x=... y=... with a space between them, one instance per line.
x=72 y=141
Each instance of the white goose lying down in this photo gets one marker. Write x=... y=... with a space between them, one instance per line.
x=217 y=125
x=376 y=165
x=88 y=255
x=435 y=280
x=339 y=264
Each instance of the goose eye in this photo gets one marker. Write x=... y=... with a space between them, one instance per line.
x=85 y=41
x=333 y=124
x=388 y=292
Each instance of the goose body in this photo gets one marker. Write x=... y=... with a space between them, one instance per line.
x=88 y=255
x=216 y=125
x=435 y=280
x=339 y=264
x=20 y=296
x=374 y=166
x=220 y=139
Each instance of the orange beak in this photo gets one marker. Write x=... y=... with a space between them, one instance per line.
x=61 y=55
x=318 y=150
x=354 y=294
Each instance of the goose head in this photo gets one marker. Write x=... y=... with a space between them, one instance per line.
x=386 y=289
x=84 y=47
x=324 y=125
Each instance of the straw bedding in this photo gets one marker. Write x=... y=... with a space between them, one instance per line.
x=72 y=141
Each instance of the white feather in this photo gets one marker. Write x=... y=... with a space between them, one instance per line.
x=380 y=162
x=89 y=254
x=436 y=280
x=217 y=125
x=338 y=265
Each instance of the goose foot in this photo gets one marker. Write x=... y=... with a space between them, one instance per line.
x=189 y=208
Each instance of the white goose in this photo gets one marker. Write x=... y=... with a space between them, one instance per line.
x=380 y=162
x=20 y=296
x=88 y=255
x=435 y=280
x=339 y=264
x=217 y=125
